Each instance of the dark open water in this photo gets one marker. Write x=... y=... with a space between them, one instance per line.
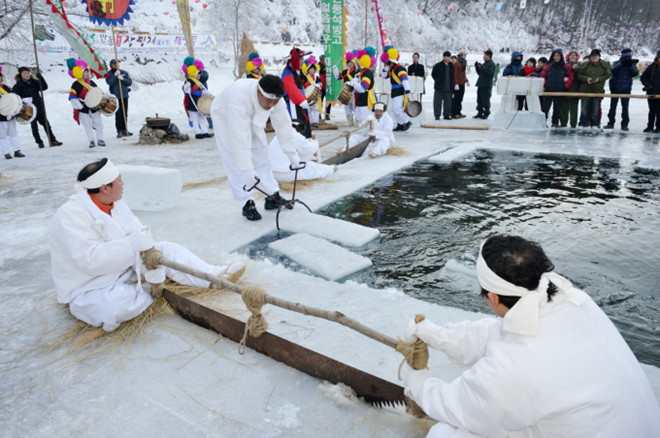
x=598 y=221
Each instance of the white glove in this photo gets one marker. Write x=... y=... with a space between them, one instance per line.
x=367 y=120
x=353 y=82
x=425 y=330
x=76 y=104
x=335 y=71
x=141 y=239
x=386 y=68
x=118 y=74
x=294 y=159
x=414 y=381
x=27 y=99
x=249 y=178
x=456 y=87
x=304 y=105
x=186 y=89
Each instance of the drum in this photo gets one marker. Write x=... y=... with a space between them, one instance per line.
x=414 y=108
x=109 y=105
x=10 y=104
x=26 y=114
x=313 y=94
x=346 y=95
x=204 y=104
x=93 y=97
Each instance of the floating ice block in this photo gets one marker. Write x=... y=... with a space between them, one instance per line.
x=150 y=188
x=300 y=220
x=320 y=256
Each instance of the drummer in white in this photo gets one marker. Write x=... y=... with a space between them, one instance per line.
x=8 y=123
x=90 y=118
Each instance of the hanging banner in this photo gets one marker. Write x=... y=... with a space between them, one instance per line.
x=109 y=12
x=523 y=4
x=385 y=39
x=332 y=21
x=78 y=43
x=184 y=15
x=41 y=33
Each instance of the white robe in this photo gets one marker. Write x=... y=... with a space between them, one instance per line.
x=381 y=130
x=97 y=271
x=239 y=122
x=576 y=378
x=306 y=149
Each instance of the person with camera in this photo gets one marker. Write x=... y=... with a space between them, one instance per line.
x=486 y=71
x=30 y=85
x=592 y=76
x=651 y=82
x=623 y=72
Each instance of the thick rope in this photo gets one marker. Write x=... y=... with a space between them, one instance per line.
x=254 y=298
x=416 y=355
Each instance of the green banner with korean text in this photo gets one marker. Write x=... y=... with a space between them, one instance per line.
x=333 y=18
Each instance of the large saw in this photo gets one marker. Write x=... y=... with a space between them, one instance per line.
x=373 y=389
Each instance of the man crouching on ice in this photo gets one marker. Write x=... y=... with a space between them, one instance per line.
x=95 y=245
x=239 y=116
x=551 y=365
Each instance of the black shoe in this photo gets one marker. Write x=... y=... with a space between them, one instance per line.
x=101 y=143
x=8 y=156
x=92 y=145
x=208 y=135
x=274 y=201
x=19 y=154
x=54 y=142
x=446 y=118
x=199 y=136
x=485 y=116
x=657 y=131
x=121 y=134
x=128 y=133
x=398 y=127
x=609 y=126
x=648 y=129
x=625 y=128
x=478 y=116
x=40 y=144
x=437 y=117
x=406 y=126
x=250 y=211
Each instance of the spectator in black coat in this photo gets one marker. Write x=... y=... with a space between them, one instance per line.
x=486 y=71
x=651 y=83
x=623 y=72
x=30 y=88
x=443 y=75
x=115 y=78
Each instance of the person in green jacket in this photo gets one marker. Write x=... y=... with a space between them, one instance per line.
x=592 y=76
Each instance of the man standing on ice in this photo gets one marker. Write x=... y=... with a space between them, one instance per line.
x=95 y=245
x=486 y=71
x=240 y=114
x=552 y=364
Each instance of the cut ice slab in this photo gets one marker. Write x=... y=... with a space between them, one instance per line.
x=299 y=220
x=148 y=188
x=320 y=256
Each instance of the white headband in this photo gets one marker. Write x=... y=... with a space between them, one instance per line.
x=523 y=317
x=268 y=95
x=379 y=106
x=105 y=175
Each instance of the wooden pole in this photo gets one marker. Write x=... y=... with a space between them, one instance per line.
x=120 y=83
x=344 y=134
x=366 y=20
x=474 y=128
x=41 y=90
x=625 y=96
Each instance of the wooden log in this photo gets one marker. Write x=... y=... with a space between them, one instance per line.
x=625 y=96
x=474 y=128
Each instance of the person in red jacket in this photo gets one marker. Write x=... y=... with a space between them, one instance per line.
x=558 y=77
x=295 y=83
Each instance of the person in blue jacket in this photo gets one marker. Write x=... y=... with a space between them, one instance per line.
x=623 y=72
x=516 y=69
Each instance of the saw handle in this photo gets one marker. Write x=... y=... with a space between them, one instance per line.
x=302 y=165
x=254 y=186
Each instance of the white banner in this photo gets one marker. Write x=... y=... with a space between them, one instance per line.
x=523 y=4
x=103 y=42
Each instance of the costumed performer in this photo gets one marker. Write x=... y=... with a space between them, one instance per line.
x=400 y=87
x=95 y=245
x=309 y=68
x=346 y=76
x=8 y=128
x=192 y=91
x=363 y=85
x=551 y=364
x=254 y=68
x=240 y=114
x=89 y=118
x=295 y=83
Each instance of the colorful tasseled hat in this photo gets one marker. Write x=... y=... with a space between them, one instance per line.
x=191 y=66
x=309 y=62
x=363 y=59
x=76 y=67
x=254 y=62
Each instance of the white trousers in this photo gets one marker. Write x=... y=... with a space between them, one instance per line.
x=124 y=300
x=93 y=125
x=313 y=114
x=378 y=147
x=350 y=108
x=8 y=131
x=261 y=165
x=397 y=109
x=199 y=122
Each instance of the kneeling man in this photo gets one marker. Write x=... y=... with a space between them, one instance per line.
x=95 y=245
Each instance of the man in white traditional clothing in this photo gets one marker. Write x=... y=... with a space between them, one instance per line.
x=380 y=128
x=551 y=365
x=239 y=116
x=95 y=243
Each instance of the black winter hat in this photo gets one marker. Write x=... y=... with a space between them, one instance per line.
x=489 y=52
x=626 y=53
x=595 y=52
x=22 y=69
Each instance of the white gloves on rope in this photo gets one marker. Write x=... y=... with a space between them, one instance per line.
x=304 y=105
x=141 y=239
